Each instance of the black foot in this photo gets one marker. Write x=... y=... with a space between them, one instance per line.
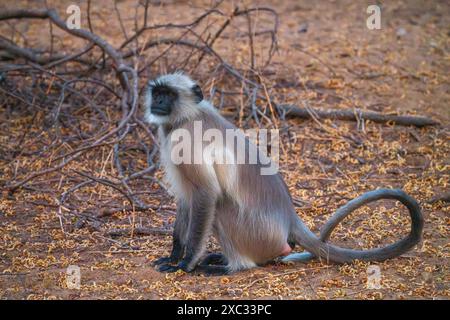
x=212 y=270
x=208 y=270
x=214 y=259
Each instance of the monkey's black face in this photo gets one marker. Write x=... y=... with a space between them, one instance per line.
x=163 y=99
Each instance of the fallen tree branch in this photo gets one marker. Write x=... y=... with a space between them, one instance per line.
x=138 y=231
x=445 y=197
x=357 y=114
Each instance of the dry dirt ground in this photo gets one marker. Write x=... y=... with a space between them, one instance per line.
x=329 y=58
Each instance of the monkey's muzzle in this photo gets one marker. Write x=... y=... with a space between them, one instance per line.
x=160 y=111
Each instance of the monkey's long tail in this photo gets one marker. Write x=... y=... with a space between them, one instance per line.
x=318 y=247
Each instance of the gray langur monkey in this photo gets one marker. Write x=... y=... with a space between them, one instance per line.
x=251 y=215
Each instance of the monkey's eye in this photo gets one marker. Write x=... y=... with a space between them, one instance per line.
x=197 y=93
x=162 y=92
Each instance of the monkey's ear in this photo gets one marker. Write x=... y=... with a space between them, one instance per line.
x=197 y=93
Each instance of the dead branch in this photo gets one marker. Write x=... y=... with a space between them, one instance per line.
x=445 y=197
x=357 y=114
x=138 y=231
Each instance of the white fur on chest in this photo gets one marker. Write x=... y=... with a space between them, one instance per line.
x=219 y=178
x=172 y=175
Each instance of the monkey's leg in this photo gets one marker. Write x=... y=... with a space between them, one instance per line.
x=201 y=221
x=214 y=259
x=179 y=235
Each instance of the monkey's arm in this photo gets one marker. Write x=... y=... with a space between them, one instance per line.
x=179 y=234
x=201 y=220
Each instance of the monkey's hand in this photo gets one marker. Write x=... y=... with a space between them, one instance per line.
x=163 y=260
x=174 y=257
x=168 y=268
x=183 y=265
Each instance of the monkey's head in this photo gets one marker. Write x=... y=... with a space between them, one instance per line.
x=171 y=98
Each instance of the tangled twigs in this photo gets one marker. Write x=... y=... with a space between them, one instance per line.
x=53 y=16
x=130 y=93
x=84 y=101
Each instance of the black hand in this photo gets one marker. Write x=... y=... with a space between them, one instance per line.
x=171 y=268
x=162 y=260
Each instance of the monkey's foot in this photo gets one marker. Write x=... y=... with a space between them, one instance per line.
x=200 y=269
x=212 y=270
x=214 y=259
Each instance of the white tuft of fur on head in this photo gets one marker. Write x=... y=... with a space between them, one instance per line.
x=185 y=108
x=177 y=80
